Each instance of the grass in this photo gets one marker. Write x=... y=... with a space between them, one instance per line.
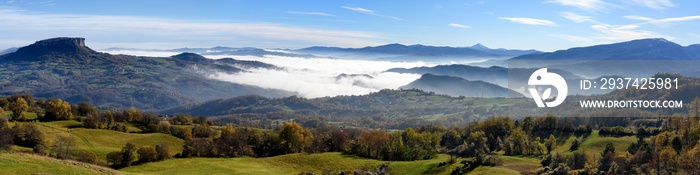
x=317 y=163
x=492 y=170
x=595 y=144
x=19 y=163
x=521 y=164
x=102 y=141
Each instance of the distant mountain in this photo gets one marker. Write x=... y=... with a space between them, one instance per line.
x=501 y=51
x=650 y=57
x=512 y=78
x=9 y=50
x=66 y=68
x=45 y=50
x=455 y=86
x=642 y=49
x=412 y=52
x=494 y=74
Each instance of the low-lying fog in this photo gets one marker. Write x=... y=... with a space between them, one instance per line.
x=314 y=77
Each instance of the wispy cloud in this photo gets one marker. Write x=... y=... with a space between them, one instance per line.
x=459 y=25
x=309 y=13
x=664 y=21
x=615 y=33
x=369 y=12
x=654 y=4
x=530 y=21
x=576 y=17
x=588 y=5
x=358 y=9
x=19 y=23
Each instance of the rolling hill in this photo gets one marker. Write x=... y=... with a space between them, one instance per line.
x=66 y=68
x=455 y=86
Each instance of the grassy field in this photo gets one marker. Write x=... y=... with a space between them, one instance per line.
x=296 y=163
x=101 y=141
x=18 y=163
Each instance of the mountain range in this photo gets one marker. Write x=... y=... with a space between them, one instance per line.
x=400 y=52
x=650 y=56
x=66 y=68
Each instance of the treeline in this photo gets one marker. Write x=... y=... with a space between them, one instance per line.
x=673 y=148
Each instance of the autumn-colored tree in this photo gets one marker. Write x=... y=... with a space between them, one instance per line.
x=18 y=107
x=147 y=154
x=294 y=138
x=690 y=160
x=57 y=109
x=668 y=159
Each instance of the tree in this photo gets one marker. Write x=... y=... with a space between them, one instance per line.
x=57 y=109
x=18 y=107
x=163 y=151
x=578 y=160
x=85 y=156
x=550 y=143
x=115 y=157
x=28 y=135
x=63 y=145
x=607 y=157
x=694 y=108
x=6 y=136
x=574 y=145
x=85 y=109
x=294 y=138
x=128 y=155
x=147 y=154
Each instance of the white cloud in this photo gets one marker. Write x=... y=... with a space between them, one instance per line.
x=309 y=13
x=530 y=21
x=588 y=5
x=616 y=33
x=369 y=12
x=576 y=17
x=316 y=77
x=642 y=18
x=459 y=25
x=665 y=21
x=16 y=23
x=654 y=4
x=358 y=9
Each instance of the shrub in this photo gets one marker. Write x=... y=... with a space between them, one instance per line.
x=147 y=154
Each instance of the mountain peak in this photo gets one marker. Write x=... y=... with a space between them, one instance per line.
x=188 y=56
x=66 y=47
x=479 y=46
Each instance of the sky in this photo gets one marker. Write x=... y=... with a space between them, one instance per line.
x=546 y=25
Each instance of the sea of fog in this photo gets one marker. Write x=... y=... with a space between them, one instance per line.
x=313 y=77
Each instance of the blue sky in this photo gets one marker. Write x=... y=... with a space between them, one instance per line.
x=546 y=25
